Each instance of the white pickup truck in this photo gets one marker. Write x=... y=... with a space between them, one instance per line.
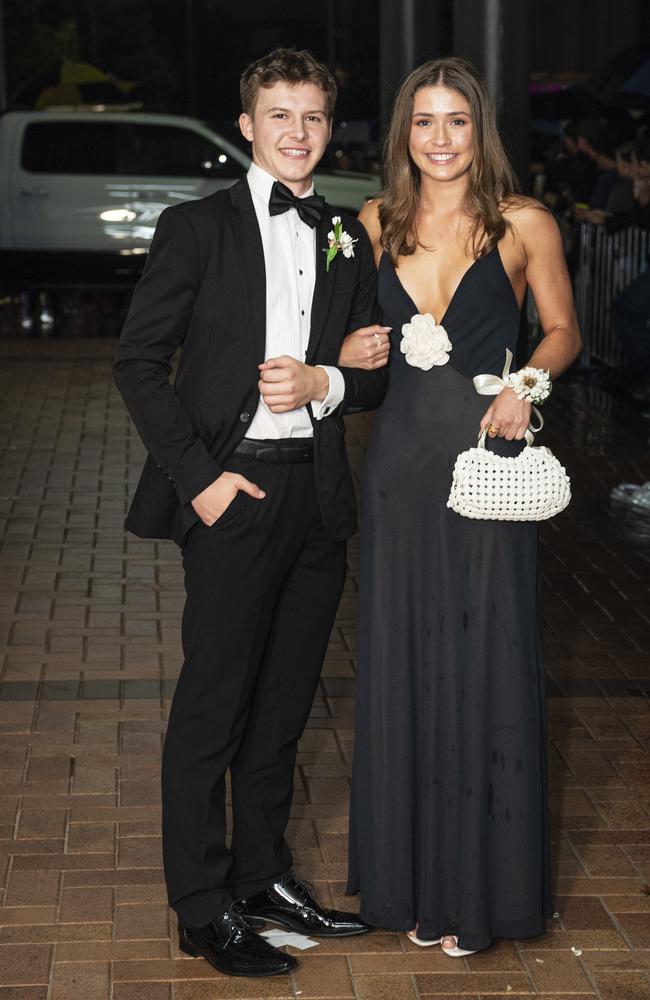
x=81 y=192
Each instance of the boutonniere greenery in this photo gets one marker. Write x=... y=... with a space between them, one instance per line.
x=338 y=239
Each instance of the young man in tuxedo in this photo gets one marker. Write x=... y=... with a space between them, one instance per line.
x=247 y=471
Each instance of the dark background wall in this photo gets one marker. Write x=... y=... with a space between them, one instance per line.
x=580 y=35
x=189 y=53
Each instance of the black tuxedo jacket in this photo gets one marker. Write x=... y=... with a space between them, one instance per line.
x=204 y=288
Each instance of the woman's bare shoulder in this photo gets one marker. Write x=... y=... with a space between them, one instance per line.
x=369 y=217
x=523 y=211
x=529 y=221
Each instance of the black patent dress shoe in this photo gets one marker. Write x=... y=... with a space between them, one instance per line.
x=230 y=945
x=290 y=903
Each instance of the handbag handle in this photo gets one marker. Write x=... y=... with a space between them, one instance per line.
x=491 y=385
x=529 y=437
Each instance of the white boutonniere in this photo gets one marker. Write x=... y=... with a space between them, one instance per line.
x=338 y=239
x=424 y=342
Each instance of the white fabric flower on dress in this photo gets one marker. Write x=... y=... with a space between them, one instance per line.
x=424 y=342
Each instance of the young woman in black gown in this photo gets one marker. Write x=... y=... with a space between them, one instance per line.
x=448 y=834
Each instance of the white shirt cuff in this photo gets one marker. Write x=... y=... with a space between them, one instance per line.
x=334 y=396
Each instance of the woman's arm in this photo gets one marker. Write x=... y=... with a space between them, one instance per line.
x=367 y=347
x=548 y=279
x=540 y=243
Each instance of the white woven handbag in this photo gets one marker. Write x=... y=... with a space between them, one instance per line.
x=532 y=486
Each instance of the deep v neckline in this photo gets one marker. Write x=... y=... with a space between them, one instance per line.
x=457 y=289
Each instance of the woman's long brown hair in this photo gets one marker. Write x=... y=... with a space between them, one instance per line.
x=490 y=181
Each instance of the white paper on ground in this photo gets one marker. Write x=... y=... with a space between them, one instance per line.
x=279 y=939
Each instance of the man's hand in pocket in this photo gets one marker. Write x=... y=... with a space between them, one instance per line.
x=215 y=499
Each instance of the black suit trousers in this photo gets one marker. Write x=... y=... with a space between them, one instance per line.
x=263 y=585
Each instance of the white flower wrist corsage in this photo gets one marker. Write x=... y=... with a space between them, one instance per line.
x=531 y=384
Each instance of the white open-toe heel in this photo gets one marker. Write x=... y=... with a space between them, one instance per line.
x=455 y=952
x=413 y=936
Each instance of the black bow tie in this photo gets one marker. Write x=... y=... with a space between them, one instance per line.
x=309 y=209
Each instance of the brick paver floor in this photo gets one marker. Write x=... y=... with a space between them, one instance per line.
x=89 y=644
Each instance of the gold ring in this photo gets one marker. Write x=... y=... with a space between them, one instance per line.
x=492 y=429
x=378 y=339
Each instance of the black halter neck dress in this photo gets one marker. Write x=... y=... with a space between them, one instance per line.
x=448 y=822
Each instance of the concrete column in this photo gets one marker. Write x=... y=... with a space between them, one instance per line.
x=3 y=60
x=493 y=34
x=190 y=48
x=411 y=31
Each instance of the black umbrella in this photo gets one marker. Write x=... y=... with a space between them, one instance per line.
x=569 y=102
x=623 y=82
x=612 y=83
x=635 y=92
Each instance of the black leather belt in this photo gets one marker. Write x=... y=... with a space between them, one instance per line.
x=282 y=450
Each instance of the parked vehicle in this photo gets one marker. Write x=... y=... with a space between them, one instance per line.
x=81 y=192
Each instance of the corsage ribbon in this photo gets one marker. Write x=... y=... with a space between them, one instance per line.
x=491 y=385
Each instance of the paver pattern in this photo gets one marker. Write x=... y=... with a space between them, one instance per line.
x=89 y=653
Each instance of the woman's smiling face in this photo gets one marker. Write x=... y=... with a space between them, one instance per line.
x=441 y=141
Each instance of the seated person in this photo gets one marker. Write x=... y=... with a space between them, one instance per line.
x=570 y=176
x=603 y=147
x=630 y=310
x=636 y=212
x=621 y=197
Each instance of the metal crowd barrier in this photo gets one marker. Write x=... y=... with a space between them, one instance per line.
x=606 y=265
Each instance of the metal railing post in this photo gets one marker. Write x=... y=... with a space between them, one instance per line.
x=607 y=264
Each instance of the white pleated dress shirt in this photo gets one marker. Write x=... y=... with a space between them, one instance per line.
x=290 y=263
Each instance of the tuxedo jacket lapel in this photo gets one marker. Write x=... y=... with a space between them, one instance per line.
x=252 y=256
x=323 y=287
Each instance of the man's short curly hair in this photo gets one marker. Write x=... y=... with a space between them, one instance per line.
x=290 y=65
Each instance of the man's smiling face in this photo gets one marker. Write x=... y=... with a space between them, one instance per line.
x=289 y=130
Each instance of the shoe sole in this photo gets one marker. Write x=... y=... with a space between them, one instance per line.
x=190 y=950
x=256 y=922
x=421 y=943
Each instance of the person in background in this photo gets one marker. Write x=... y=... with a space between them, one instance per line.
x=621 y=197
x=570 y=176
x=629 y=206
x=630 y=310
x=606 y=178
x=641 y=181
